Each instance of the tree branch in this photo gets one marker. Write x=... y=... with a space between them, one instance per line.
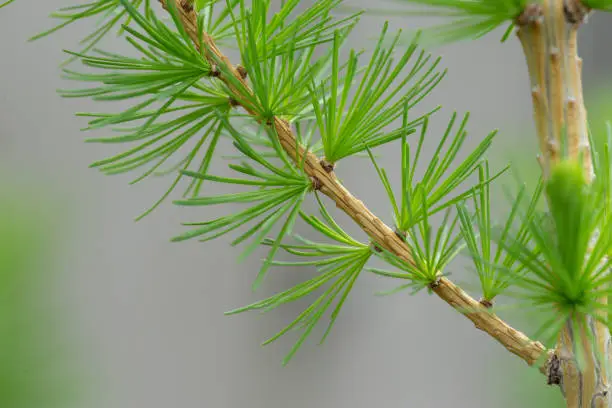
x=548 y=33
x=325 y=180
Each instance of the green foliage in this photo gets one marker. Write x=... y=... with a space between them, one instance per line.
x=276 y=197
x=6 y=3
x=286 y=30
x=169 y=72
x=601 y=138
x=605 y=5
x=217 y=23
x=348 y=128
x=432 y=250
x=278 y=56
x=470 y=19
x=481 y=233
x=436 y=190
x=339 y=264
x=184 y=99
x=109 y=14
x=565 y=257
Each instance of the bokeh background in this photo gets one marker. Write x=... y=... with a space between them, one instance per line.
x=127 y=319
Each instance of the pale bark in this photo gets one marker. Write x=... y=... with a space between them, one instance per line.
x=548 y=34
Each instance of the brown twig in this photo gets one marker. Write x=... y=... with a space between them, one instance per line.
x=380 y=233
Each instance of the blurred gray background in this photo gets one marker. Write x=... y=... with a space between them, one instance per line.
x=148 y=314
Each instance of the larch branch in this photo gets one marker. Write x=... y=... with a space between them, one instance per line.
x=384 y=236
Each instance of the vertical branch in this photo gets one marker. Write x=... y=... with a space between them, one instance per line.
x=532 y=38
x=556 y=52
x=548 y=33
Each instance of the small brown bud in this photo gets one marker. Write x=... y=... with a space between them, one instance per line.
x=375 y=247
x=575 y=12
x=327 y=166
x=242 y=71
x=435 y=283
x=553 y=370
x=187 y=5
x=401 y=234
x=214 y=71
x=316 y=183
x=486 y=303
x=531 y=14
